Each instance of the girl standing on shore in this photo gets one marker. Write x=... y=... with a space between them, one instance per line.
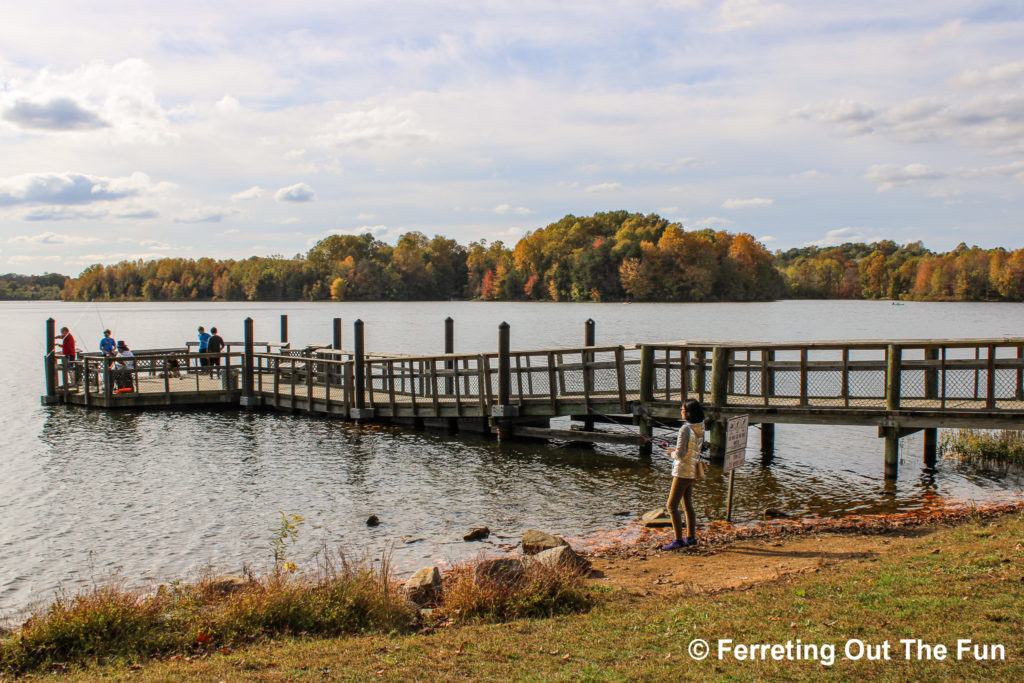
x=686 y=469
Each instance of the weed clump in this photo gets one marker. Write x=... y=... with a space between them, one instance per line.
x=984 y=448
x=539 y=591
x=111 y=623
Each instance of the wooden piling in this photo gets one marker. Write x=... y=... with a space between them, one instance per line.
x=336 y=342
x=646 y=397
x=449 y=347
x=248 y=396
x=360 y=379
x=589 y=337
x=50 y=363
x=504 y=410
x=767 y=439
x=719 y=398
x=931 y=392
x=284 y=328
x=893 y=372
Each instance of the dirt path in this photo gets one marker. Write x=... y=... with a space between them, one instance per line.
x=746 y=562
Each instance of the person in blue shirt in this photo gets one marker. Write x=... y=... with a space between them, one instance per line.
x=204 y=343
x=107 y=344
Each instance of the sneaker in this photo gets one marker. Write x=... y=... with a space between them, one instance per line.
x=674 y=545
x=690 y=542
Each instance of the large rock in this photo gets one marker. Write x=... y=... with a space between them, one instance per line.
x=535 y=541
x=502 y=571
x=424 y=586
x=562 y=557
x=477 y=534
x=656 y=518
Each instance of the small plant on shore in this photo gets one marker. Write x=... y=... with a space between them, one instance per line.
x=540 y=591
x=287 y=530
x=984 y=448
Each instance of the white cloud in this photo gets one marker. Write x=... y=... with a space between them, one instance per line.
x=509 y=209
x=299 y=192
x=63 y=213
x=206 y=214
x=707 y=222
x=756 y=202
x=24 y=258
x=841 y=236
x=1006 y=73
x=889 y=176
x=810 y=174
x=946 y=33
x=56 y=114
x=71 y=188
x=380 y=126
x=118 y=101
x=604 y=187
x=739 y=14
x=254 y=192
x=764 y=239
x=53 y=239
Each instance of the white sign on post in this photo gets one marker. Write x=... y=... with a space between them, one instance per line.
x=735 y=442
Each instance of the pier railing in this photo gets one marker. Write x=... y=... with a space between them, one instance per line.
x=946 y=375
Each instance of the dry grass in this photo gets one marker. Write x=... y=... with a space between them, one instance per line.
x=540 y=592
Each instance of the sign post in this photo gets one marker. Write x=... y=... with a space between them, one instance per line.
x=735 y=452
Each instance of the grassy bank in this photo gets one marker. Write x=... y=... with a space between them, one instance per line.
x=984 y=448
x=936 y=585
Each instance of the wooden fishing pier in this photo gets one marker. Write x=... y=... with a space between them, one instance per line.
x=898 y=386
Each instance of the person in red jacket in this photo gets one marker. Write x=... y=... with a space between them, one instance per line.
x=67 y=349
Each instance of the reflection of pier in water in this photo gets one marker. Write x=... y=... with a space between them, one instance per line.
x=899 y=386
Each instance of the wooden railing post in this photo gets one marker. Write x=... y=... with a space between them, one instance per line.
x=719 y=399
x=248 y=366
x=1020 y=374
x=50 y=362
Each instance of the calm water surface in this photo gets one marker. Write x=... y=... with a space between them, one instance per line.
x=157 y=496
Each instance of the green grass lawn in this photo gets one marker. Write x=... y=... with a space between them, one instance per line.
x=965 y=582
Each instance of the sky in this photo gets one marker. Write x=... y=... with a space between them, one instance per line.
x=232 y=129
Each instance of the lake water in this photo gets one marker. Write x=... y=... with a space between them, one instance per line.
x=158 y=496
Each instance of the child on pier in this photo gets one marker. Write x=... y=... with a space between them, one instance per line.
x=686 y=469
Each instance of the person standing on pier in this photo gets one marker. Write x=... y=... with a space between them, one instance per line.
x=107 y=344
x=204 y=343
x=214 y=345
x=67 y=349
x=687 y=468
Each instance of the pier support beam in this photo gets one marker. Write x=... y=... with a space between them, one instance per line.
x=892 y=452
x=931 y=449
x=767 y=439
